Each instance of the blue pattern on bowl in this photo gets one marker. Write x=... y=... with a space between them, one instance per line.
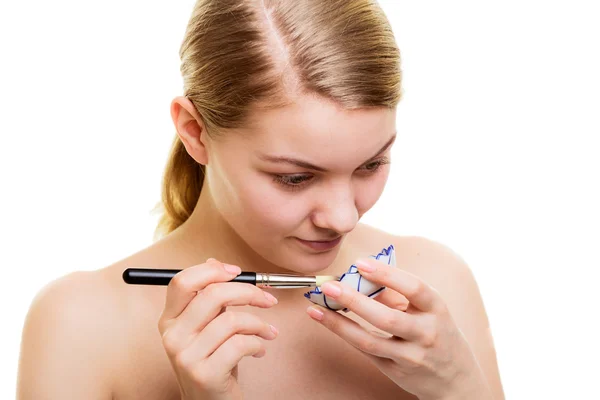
x=354 y=279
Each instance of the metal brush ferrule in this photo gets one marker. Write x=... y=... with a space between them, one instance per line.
x=283 y=281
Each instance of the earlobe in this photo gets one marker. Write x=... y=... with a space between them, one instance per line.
x=189 y=128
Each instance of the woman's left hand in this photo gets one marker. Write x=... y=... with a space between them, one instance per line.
x=426 y=354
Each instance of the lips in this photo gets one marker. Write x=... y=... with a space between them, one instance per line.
x=321 y=240
x=320 y=245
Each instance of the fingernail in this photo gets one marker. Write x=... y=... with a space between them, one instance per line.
x=270 y=297
x=365 y=266
x=314 y=313
x=232 y=269
x=274 y=330
x=331 y=289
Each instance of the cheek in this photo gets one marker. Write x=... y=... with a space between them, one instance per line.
x=269 y=208
x=370 y=190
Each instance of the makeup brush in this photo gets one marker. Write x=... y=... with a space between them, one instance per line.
x=148 y=276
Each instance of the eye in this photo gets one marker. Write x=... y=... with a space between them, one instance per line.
x=374 y=166
x=292 y=182
x=297 y=182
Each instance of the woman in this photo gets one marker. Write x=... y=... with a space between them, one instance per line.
x=284 y=136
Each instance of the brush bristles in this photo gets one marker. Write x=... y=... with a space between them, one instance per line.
x=324 y=278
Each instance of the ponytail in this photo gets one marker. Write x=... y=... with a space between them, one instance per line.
x=181 y=186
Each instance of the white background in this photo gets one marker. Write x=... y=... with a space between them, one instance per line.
x=496 y=158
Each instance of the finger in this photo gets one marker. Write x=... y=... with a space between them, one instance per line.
x=419 y=294
x=220 y=329
x=183 y=286
x=207 y=304
x=392 y=299
x=230 y=353
x=390 y=320
x=370 y=343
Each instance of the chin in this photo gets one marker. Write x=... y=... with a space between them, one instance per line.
x=306 y=261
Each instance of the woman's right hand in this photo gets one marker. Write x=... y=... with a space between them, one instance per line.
x=204 y=341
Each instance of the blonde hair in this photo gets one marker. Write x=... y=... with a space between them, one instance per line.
x=239 y=55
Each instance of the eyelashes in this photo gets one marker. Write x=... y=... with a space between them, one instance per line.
x=299 y=181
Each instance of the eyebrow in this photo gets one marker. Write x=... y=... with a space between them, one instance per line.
x=306 y=164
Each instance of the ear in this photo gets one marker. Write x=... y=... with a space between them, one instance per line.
x=190 y=128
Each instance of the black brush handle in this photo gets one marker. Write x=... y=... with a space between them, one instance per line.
x=149 y=276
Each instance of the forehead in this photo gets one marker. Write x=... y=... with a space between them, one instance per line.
x=321 y=129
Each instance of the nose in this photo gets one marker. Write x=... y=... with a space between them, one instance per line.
x=336 y=210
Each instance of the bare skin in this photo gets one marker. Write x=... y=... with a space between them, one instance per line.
x=90 y=335
x=304 y=360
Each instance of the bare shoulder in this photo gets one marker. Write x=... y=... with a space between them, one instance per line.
x=69 y=339
x=447 y=272
x=78 y=290
x=430 y=260
x=78 y=303
x=434 y=263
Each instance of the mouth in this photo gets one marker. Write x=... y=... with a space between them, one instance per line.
x=320 y=245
